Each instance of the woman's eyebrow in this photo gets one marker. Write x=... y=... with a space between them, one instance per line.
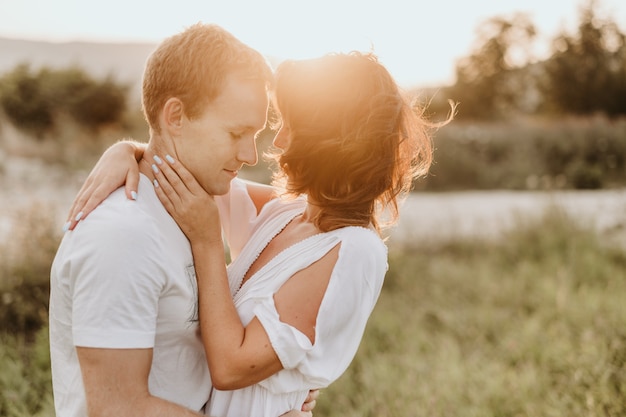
x=243 y=128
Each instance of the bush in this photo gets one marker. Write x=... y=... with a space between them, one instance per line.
x=573 y=153
x=33 y=100
x=590 y=153
x=99 y=104
x=25 y=101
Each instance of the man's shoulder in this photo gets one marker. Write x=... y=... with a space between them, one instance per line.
x=117 y=218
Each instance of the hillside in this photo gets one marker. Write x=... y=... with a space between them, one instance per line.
x=125 y=61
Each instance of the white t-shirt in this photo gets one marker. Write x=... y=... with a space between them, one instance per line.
x=124 y=278
x=352 y=292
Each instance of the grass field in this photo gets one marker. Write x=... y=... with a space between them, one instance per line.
x=533 y=325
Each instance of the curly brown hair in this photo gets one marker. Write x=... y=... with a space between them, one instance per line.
x=357 y=142
x=192 y=66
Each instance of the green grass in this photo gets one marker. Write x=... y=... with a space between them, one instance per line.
x=25 y=379
x=533 y=325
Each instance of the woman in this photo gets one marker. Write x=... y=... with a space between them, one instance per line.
x=289 y=313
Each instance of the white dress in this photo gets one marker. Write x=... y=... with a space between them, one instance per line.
x=351 y=294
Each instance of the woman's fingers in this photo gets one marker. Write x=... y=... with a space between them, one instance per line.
x=77 y=204
x=183 y=184
x=116 y=167
x=171 y=175
x=168 y=187
x=88 y=198
x=311 y=400
x=179 y=177
x=165 y=199
x=132 y=182
x=195 y=212
x=85 y=204
x=186 y=177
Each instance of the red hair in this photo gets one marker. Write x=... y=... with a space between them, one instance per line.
x=192 y=66
x=356 y=143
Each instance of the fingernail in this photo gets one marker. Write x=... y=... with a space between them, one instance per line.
x=133 y=195
x=155 y=169
x=157 y=160
x=169 y=159
x=156 y=183
x=79 y=216
x=66 y=226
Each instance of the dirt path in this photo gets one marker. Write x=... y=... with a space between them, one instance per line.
x=488 y=214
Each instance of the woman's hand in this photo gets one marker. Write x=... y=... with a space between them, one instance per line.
x=116 y=167
x=307 y=407
x=311 y=400
x=186 y=201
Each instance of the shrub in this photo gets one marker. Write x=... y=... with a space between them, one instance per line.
x=582 y=153
x=99 y=104
x=33 y=100
x=25 y=101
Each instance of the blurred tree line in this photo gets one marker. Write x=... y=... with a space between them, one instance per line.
x=34 y=100
x=521 y=123
x=576 y=97
x=585 y=73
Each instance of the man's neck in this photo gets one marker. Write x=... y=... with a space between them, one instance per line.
x=146 y=162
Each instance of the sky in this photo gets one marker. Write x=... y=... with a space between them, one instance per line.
x=418 y=41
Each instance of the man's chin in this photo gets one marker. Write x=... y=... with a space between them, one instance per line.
x=221 y=189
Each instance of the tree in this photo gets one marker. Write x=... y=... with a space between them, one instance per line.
x=487 y=81
x=586 y=73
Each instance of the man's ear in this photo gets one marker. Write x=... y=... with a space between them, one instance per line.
x=173 y=114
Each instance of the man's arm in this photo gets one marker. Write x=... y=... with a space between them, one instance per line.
x=116 y=384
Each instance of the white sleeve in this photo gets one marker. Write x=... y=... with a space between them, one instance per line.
x=237 y=213
x=115 y=296
x=351 y=295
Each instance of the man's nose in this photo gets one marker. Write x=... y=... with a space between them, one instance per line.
x=247 y=152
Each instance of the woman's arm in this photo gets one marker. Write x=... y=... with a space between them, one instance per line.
x=197 y=215
x=116 y=167
x=238 y=356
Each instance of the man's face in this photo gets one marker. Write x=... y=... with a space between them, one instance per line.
x=215 y=145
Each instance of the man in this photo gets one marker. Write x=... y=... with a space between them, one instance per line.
x=123 y=301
